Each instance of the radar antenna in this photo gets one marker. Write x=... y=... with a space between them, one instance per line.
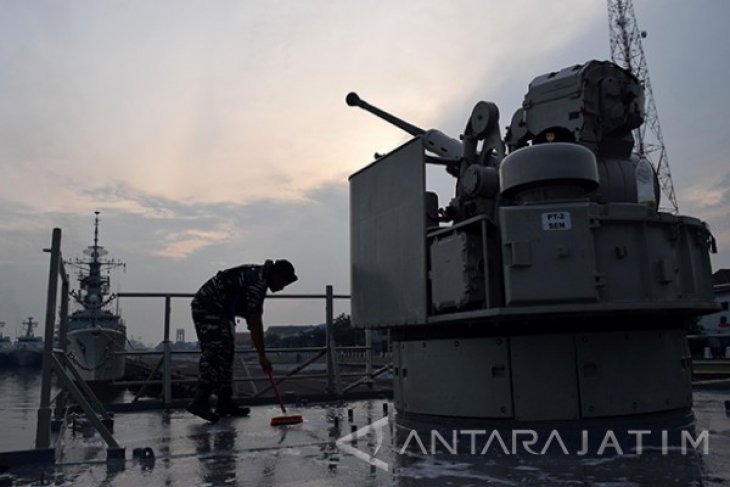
x=627 y=52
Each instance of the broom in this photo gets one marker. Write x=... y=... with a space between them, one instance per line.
x=282 y=420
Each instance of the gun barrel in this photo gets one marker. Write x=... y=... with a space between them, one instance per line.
x=355 y=101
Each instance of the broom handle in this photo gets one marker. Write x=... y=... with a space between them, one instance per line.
x=276 y=391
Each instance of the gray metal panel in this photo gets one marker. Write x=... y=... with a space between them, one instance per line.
x=397 y=375
x=695 y=267
x=388 y=239
x=621 y=261
x=465 y=378
x=547 y=261
x=456 y=277
x=663 y=264
x=642 y=256
x=633 y=372
x=544 y=380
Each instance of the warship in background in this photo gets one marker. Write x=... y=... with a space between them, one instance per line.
x=28 y=349
x=5 y=348
x=96 y=335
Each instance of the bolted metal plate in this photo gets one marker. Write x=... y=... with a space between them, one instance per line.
x=633 y=372
x=543 y=377
x=467 y=377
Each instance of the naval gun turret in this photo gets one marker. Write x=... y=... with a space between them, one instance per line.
x=474 y=162
x=553 y=291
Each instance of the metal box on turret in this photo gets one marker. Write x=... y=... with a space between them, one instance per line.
x=456 y=260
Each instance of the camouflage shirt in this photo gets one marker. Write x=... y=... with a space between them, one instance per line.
x=239 y=291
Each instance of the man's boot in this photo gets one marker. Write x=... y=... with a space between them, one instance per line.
x=201 y=405
x=227 y=407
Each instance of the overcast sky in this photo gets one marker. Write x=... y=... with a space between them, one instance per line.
x=211 y=134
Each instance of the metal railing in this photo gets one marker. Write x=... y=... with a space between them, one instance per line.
x=715 y=346
x=55 y=360
x=333 y=375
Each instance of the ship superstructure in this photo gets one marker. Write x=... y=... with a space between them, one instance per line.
x=5 y=348
x=95 y=334
x=28 y=349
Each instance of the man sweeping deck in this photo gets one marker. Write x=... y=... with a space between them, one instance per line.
x=239 y=291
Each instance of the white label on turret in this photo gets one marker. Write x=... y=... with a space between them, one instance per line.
x=558 y=220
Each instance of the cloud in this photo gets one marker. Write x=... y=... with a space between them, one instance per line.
x=173 y=246
x=704 y=196
x=240 y=103
x=710 y=196
x=180 y=245
x=709 y=200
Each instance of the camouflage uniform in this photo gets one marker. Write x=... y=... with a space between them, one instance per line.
x=239 y=291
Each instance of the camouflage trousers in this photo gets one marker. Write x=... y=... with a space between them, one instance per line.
x=215 y=336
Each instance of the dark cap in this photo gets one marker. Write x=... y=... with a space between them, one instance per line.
x=284 y=269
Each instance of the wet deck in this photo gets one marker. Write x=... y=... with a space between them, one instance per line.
x=248 y=451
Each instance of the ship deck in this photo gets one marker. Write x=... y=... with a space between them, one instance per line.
x=248 y=451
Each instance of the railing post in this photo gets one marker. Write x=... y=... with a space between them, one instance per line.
x=369 y=356
x=62 y=329
x=167 y=366
x=333 y=373
x=63 y=321
x=43 y=429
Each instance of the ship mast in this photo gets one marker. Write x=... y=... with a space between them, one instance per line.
x=94 y=282
x=30 y=324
